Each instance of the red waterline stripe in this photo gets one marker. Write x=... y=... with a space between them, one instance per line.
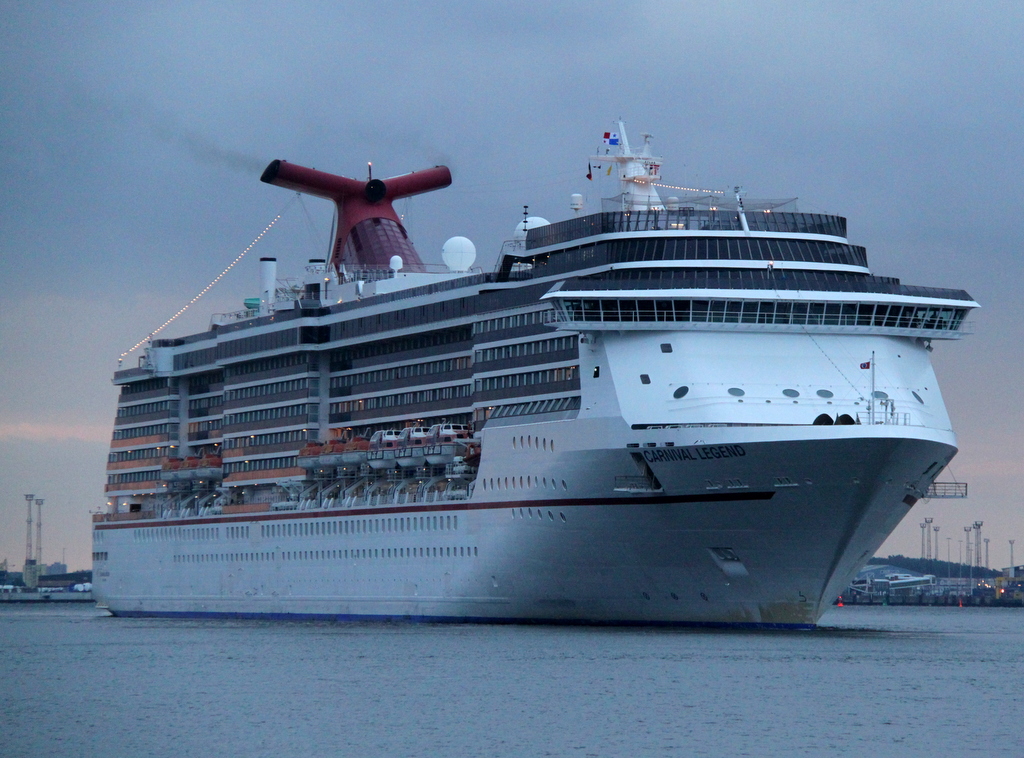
x=435 y=507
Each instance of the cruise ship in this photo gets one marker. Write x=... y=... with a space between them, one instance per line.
x=682 y=407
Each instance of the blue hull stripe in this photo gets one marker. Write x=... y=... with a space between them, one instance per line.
x=353 y=617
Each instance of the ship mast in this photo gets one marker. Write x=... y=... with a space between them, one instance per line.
x=637 y=170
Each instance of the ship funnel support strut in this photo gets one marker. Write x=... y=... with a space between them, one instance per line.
x=369 y=231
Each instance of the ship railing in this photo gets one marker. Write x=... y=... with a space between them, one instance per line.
x=946 y=490
x=884 y=417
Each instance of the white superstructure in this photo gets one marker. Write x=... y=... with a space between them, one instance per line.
x=690 y=411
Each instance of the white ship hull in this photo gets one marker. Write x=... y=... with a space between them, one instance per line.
x=701 y=411
x=801 y=516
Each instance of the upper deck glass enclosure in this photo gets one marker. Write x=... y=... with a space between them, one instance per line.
x=684 y=219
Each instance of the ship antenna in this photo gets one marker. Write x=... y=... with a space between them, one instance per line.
x=369 y=170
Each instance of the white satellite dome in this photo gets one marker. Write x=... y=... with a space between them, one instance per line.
x=458 y=253
x=526 y=224
x=396 y=263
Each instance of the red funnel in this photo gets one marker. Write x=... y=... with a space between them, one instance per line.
x=369 y=230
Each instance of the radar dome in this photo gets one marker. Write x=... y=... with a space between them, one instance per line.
x=526 y=224
x=458 y=254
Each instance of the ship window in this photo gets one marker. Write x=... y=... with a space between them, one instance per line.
x=825 y=394
x=597 y=371
x=645 y=379
x=917 y=397
x=736 y=392
x=666 y=347
x=790 y=393
x=561 y=516
x=880 y=395
x=681 y=392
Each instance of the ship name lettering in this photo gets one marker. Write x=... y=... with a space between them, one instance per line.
x=702 y=453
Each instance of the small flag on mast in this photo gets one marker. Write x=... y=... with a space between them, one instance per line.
x=611 y=138
x=866 y=364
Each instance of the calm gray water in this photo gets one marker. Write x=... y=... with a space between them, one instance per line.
x=875 y=682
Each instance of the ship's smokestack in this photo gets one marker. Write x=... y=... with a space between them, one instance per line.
x=369 y=231
x=268 y=285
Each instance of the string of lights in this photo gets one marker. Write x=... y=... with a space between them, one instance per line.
x=690 y=189
x=208 y=287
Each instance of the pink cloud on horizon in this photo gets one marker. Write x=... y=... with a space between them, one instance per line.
x=53 y=432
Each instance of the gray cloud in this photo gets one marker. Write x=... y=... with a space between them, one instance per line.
x=135 y=135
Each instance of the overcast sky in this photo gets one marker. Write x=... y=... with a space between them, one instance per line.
x=134 y=134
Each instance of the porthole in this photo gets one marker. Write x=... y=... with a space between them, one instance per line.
x=666 y=347
x=645 y=379
x=880 y=395
x=736 y=392
x=551 y=516
x=564 y=485
x=790 y=393
x=561 y=516
x=917 y=397
x=825 y=394
x=681 y=392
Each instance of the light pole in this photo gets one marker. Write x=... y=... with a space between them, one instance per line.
x=936 y=530
x=28 y=540
x=1012 y=572
x=39 y=532
x=924 y=528
x=928 y=529
x=959 y=566
x=968 y=532
x=986 y=552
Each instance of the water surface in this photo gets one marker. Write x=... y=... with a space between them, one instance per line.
x=878 y=681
